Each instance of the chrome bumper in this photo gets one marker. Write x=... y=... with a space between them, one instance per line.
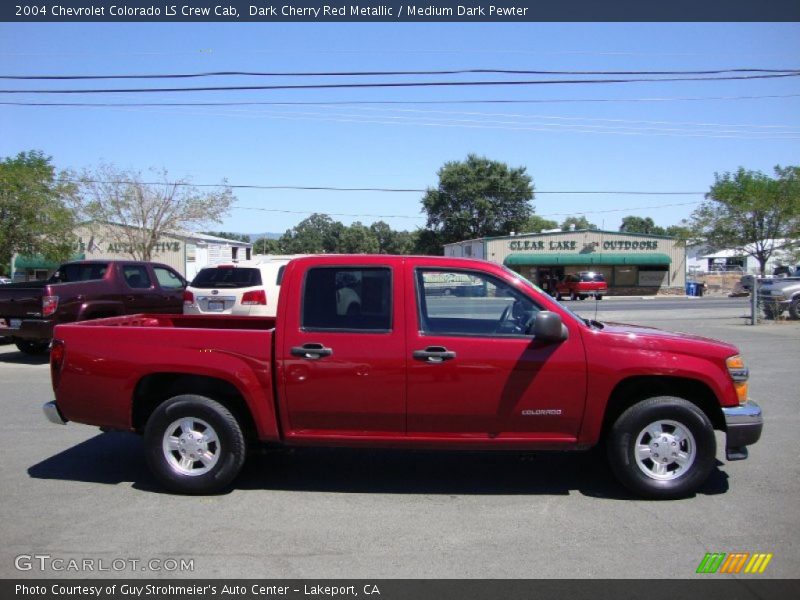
x=53 y=415
x=743 y=425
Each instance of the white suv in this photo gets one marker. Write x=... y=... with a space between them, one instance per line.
x=247 y=289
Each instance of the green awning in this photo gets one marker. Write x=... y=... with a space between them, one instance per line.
x=39 y=262
x=550 y=260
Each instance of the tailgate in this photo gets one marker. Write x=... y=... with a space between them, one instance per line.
x=20 y=302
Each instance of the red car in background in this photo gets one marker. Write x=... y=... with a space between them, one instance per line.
x=582 y=285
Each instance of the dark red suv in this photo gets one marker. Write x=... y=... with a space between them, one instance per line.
x=582 y=285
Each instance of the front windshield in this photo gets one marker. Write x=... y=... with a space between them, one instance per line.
x=535 y=287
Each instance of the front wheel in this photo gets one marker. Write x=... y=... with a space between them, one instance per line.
x=194 y=445
x=662 y=448
x=794 y=309
x=33 y=347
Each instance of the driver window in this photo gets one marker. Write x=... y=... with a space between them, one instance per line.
x=471 y=303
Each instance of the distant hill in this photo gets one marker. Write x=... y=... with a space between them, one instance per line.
x=269 y=235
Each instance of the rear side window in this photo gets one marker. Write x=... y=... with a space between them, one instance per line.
x=136 y=276
x=80 y=272
x=168 y=279
x=339 y=298
x=227 y=277
x=589 y=277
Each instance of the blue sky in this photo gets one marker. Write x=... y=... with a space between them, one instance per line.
x=565 y=142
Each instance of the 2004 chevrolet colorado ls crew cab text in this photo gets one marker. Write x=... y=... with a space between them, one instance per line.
x=506 y=367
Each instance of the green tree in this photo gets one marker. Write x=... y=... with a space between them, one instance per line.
x=149 y=209
x=35 y=213
x=477 y=198
x=317 y=234
x=391 y=241
x=634 y=224
x=358 y=239
x=749 y=211
x=577 y=223
x=537 y=224
x=266 y=246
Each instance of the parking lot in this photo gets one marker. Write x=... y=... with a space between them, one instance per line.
x=75 y=493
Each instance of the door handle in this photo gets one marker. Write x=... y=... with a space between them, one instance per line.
x=311 y=351
x=434 y=354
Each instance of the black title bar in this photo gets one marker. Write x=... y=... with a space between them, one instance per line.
x=267 y=11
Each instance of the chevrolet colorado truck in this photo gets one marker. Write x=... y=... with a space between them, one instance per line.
x=83 y=290
x=506 y=367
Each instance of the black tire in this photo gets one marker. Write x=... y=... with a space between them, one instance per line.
x=558 y=296
x=230 y=448
x=794 y=309
x=573 y=296
x=33 y=347
x=582 y=296
x=599 y=296
x=640 y=474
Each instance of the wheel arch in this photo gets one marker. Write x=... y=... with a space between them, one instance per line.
x=635 y=389
x=154 y=389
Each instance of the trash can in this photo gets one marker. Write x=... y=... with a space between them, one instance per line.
x=691 y=288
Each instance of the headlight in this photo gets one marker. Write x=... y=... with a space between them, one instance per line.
x=739 y=373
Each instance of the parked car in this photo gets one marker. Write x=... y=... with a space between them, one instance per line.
x=84 y=290
x=778 y=295
x=582 y=285
x=5 y=280
x=407 y=369
x=247 y=289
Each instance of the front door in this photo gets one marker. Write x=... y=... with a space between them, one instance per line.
x=343 y=353
x=474 y=372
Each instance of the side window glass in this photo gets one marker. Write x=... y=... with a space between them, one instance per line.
x=347 y=299
x=471 y=303
x=167 y=279
x=136 y=276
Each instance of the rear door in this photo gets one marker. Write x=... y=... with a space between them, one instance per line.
x=475 y=373
x=341 y=349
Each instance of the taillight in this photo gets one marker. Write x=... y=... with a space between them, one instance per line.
x=56 y=361
x=188 y=298
x=49 y=305
x=254 y=297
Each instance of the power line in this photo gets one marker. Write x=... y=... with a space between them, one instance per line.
x=395 y=102
x=415 y=84
x=385 y=73
x=363 y=189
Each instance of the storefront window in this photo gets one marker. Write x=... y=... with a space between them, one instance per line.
x=625 y=276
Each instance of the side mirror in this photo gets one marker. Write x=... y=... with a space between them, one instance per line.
x=547 y=327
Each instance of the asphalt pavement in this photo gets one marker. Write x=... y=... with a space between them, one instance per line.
x=75 y=493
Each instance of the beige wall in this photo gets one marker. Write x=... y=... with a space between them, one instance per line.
x=100 y=241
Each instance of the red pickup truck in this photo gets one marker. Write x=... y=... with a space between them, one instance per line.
x=83 y=290
x=506 y=367
x=582 y=285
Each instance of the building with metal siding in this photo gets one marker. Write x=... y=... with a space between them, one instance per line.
x=631 y=262
x=185 y=252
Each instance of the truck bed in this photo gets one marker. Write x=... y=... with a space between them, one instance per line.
x=106 y=375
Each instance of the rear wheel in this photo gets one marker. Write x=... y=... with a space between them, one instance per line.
x=194 y=445
x=573 y=296
x=599 y=296
x=662 y=448
x=33 y=347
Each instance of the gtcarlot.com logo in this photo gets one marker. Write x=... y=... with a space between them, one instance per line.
x=734 y=562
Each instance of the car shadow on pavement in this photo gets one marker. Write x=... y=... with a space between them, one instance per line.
x=20 y=358
x=114 y=458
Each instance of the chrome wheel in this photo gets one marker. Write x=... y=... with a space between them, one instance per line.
x=191 y=446
x=665 y=450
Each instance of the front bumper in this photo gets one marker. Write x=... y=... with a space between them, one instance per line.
x=743 y=425
x=53 y=414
